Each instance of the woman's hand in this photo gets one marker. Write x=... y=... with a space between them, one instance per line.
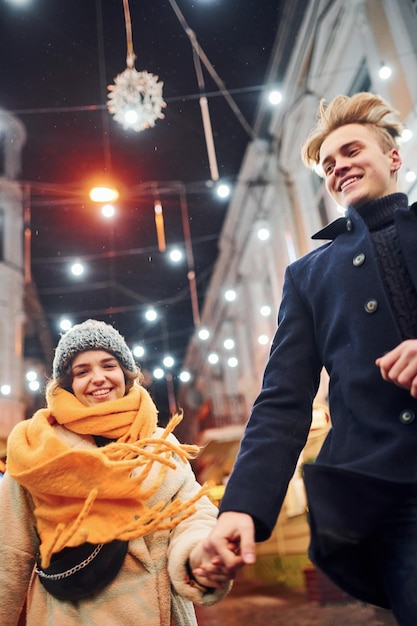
x=229 y=546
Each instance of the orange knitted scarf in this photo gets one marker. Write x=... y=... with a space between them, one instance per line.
x=92 y=495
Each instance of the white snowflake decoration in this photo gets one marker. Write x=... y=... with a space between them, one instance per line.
x=135 y=99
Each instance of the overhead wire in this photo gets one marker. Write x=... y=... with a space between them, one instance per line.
x=213 y=73
x=98 y=107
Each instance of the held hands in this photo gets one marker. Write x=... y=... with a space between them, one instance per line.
x=229 y=546
x=399 y=366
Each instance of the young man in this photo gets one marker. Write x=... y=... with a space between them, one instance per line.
x=349 y=306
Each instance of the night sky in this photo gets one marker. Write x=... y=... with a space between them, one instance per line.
x=57 y=58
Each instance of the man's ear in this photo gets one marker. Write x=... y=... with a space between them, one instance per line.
x=396 y=160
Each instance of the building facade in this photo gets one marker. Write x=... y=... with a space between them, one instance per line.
x=12 y=138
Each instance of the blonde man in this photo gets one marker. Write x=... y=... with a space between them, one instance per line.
x=349 y=306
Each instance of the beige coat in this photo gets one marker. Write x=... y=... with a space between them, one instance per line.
x=151 y=588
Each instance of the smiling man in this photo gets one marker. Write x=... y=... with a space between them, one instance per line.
x=349 y=306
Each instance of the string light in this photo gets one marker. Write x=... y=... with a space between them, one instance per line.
x=185 y=376
x=265 y=310
x=138 y=351
x=230 y=295
x=176 y=255
x=406 y=135
x=65 y=324
x=203 y=334
x=77 y=268
x=275 y=97
x=385 y=71
x=108 y=211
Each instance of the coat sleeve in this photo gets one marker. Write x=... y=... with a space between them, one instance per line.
x=187 y=535
x=280 y=419
x=18 y=548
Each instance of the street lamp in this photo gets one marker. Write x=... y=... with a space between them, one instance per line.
x=104 y=194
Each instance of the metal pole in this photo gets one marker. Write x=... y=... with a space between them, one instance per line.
x=189 y=256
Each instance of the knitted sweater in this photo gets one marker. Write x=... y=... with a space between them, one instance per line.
x=379 y=216
x=152 y=586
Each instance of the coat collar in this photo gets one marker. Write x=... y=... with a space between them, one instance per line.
x=332 y=230
x=342 y=225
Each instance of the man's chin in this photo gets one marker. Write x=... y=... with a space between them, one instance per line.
x=355 y=201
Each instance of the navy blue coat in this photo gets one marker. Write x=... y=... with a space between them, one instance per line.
x=334 y=313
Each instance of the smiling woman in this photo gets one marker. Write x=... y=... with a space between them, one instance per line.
x=112 y=496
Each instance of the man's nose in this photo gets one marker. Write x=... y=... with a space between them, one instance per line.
x=342 y=164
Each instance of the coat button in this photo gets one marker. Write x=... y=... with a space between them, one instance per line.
x=359 y=259
x=349 y=225
x=371 y=306
x=407 y=416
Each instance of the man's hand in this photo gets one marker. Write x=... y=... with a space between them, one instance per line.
x=399 y=366
x=229 y=546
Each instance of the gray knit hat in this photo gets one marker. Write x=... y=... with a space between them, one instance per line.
x=91 y=335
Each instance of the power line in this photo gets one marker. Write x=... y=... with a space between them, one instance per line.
x=99 y=107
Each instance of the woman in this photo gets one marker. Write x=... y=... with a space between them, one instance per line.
x=102 y=519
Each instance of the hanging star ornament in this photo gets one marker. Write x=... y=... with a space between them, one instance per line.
x=135 y=99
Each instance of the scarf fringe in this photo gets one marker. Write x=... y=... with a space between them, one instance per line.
x=153 y=519
x=63 y=534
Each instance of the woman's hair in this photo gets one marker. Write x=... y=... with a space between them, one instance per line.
x=361 y=108
x=64 y=381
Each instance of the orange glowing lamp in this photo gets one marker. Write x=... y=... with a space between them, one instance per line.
x=104 y=194
x=159 y=223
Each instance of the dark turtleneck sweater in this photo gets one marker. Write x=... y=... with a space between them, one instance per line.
x=378 y=215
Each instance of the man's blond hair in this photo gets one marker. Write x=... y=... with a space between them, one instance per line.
x=361 y=108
